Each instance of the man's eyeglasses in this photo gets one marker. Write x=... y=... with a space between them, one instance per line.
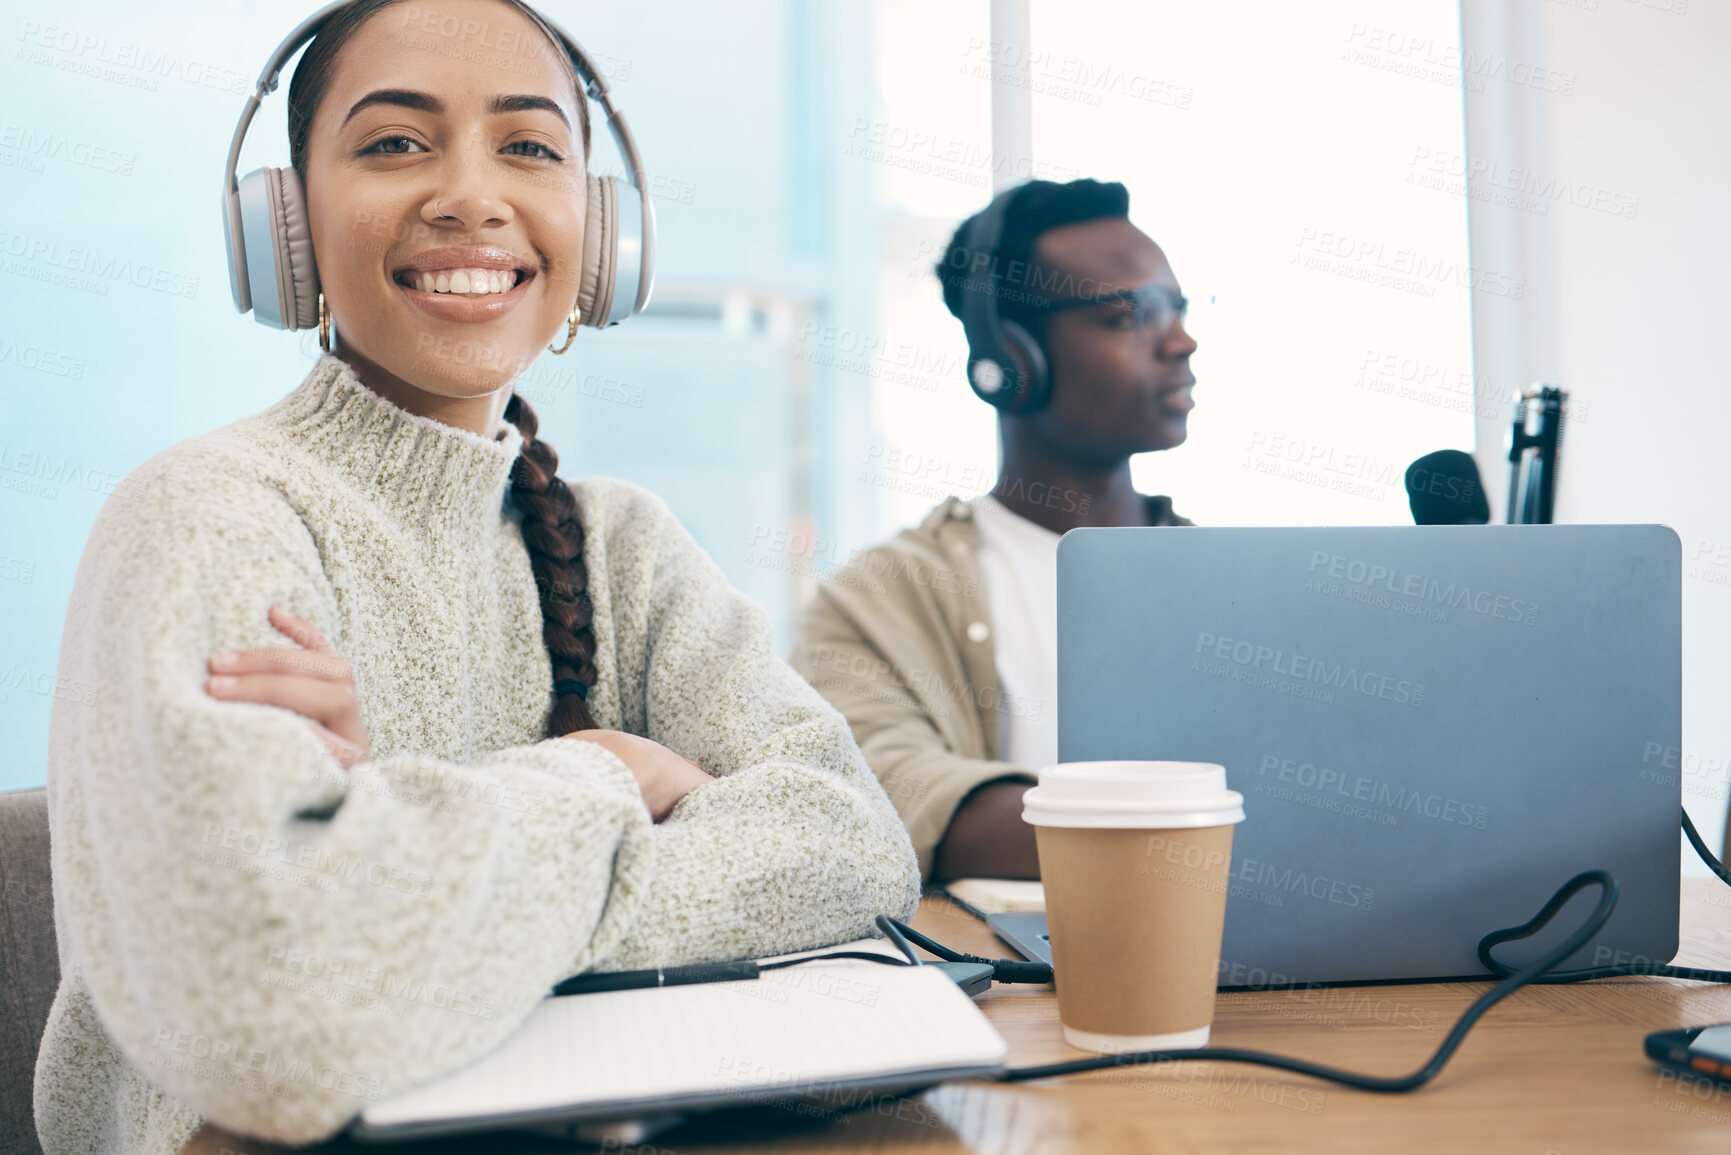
x=1155 y=308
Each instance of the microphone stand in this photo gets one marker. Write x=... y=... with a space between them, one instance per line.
x=1533 y=456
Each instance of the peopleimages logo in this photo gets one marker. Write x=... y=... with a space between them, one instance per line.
x=1306 y=668
x=1663 y=764
x=1358 y=788
x=1317 y=886
x=1403 y=583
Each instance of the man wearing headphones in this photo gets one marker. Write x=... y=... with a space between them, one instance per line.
x=940 y=646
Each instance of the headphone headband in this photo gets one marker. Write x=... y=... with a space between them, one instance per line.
x=979 y=309
x=1006 y=365
x=634 y=267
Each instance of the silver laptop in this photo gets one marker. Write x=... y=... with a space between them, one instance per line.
x=1434 y=727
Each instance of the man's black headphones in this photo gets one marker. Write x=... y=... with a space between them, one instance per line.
x=1006 y=365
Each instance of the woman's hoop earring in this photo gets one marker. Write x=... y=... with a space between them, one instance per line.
x=570 y=333
x=324 y=324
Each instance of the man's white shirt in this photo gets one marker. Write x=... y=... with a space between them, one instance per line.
x=1019 y=565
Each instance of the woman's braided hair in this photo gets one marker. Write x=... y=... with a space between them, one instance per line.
x=551 y=528
x=554 y=536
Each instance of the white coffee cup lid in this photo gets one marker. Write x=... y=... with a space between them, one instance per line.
x=1133 y=795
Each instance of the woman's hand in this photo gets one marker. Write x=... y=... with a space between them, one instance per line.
x=662 y=776
x=314 y=682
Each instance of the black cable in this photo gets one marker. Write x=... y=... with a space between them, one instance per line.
x=1707 y=856
x=864 y=956
x=893 y=931
x=1622 y=970
x=934 y=946
x=1574 y=942
x=1003 y=970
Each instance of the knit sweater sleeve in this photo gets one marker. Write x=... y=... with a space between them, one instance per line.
x=239 y=906
x=795 y=844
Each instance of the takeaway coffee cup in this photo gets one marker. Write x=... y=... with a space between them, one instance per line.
x=1135 y=857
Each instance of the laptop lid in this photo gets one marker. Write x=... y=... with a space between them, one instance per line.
x=1434 y=727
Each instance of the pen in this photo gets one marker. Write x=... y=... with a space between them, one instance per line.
x=721 y=972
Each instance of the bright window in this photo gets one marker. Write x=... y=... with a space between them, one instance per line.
x=1300 y=164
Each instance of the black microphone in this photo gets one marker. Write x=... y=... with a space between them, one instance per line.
x=1443 y=489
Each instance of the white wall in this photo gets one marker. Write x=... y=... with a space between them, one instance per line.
x=1617 y=160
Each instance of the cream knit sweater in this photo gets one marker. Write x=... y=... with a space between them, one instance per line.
x=253 y=935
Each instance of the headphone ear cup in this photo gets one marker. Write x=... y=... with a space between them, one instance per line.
x=991 y=376
x=297 y=272
x=600 y=251
x=1032 y=377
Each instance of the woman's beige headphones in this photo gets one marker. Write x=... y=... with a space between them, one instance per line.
x=270 y=249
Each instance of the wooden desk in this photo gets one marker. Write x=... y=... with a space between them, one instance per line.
x=1549 y=1070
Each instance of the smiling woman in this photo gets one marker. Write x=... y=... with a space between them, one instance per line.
x=381 y=689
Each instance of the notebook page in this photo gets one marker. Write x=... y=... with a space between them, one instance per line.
x=823 y=1022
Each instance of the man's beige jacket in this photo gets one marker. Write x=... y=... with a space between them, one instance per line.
x=901 y=642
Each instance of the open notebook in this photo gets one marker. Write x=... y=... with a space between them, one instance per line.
x=998 y=895
x=835 y=1032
